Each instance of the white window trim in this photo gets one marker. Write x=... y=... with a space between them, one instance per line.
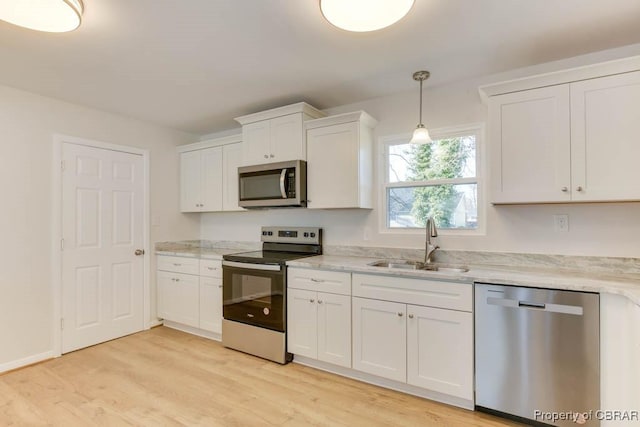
x=447 y=132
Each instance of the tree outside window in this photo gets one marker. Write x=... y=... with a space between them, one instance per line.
x=437 y=179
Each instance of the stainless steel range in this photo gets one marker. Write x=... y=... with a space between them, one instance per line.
x=255 y=291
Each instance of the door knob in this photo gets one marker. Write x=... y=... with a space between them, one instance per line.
x=139 y=252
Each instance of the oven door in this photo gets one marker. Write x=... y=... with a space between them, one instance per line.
x=254 y=294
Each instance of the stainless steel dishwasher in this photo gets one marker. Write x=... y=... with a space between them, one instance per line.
x=538 y=354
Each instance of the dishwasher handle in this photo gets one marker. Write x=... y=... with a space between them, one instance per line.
x=551 y=308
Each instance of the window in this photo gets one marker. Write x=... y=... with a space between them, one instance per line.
x=438 y=179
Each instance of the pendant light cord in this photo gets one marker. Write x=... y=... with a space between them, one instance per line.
x=420 y=118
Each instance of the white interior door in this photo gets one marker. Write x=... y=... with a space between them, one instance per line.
x=102 y=226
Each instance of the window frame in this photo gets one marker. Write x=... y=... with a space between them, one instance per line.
x=384 y=142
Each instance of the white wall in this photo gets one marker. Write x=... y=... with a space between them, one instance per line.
x=594 y=229
x=27 y=125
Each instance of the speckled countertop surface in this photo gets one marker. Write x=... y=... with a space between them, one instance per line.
x=627 y=285
x=619 y=276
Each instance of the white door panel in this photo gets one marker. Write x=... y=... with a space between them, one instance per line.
x=102 y=219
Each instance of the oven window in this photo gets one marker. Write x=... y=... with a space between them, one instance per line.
x=260 y=185
x=255 y=298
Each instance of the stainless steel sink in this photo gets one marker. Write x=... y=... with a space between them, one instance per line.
x=417 y=265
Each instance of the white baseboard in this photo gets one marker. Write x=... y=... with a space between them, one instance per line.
x=383 y=382
x=194 y=331
x=26 y=361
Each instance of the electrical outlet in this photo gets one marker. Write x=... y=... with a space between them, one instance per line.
x=561 y=223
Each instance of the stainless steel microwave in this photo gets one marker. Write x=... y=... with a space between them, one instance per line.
x=273 y=185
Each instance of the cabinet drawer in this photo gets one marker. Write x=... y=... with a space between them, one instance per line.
x=179 y=264
x=432 y=293
x=335 y=282
x=211 y=268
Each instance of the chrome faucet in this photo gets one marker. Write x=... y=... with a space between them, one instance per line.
x=431 y=231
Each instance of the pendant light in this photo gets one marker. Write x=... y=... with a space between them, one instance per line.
x=421 y=134
x=364 y=15
x=53 y=16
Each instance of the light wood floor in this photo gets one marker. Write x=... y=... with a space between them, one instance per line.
x=164 y=377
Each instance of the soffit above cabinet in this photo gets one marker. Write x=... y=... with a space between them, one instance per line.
x=300 y=107
x=570 y=75
x=208 y=143
x=337 y=119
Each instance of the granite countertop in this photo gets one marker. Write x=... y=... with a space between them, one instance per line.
x=619 y=276
x=627 y=285
x=202 y=249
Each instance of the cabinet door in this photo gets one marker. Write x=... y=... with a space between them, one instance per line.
x=333 y=166
x=178 y=296
x=255 y=143
x=211 y=196
x=302 y=324
x=529 y=146
x=190 y=181
x=380 y=338
x=440 y=350
x=334 y=329
x=605 y=118
x=232 y=159
x=287 y=138
x=211 y=304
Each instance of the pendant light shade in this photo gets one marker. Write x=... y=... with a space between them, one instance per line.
x=54 y=16
x=421 y=134
x=364 y=15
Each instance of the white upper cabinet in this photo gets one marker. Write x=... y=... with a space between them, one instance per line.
x=569 y=142
x=276 y=135
x=530 y=146
x=605 y=117
x=209 y=175
x=200 y=184
x=340 y=161
x=232 y=159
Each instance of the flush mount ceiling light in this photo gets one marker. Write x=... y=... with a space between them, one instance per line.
x=53 y=16
x=421 y=134
x=364 y=15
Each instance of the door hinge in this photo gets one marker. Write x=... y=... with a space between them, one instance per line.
x=62 y=244
x=61 y=323
x=62 y=165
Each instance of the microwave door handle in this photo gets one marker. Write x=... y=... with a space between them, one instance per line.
x=283 y=190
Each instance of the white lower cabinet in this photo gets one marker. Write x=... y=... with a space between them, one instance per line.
x=190 y=292
x=178 y=296
x=430 y=347
x=380 y=338
x=319 y=323
x=440 y=350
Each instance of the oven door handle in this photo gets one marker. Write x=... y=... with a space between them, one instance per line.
x=252 y=266
x=283 y=190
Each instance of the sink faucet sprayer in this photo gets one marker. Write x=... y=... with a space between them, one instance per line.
x=431 y=231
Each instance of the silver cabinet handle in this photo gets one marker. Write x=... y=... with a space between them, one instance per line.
x=411 y=316
x=211 y=268
x=177 y=265
x=312 y=300
x=317 y=280
x=319 y=301
x=271 y=155
x=177 y=280
x=220 y=286
x=564 y=189
x=578 y=188
x=139 y=252
x=400 y=314
x=266 y=157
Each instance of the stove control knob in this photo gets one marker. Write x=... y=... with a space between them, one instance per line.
x=271 y=233
x=313 y=234
x=264 y=233
x=306 y=234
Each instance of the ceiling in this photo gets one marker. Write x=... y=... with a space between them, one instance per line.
x=194 y=65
